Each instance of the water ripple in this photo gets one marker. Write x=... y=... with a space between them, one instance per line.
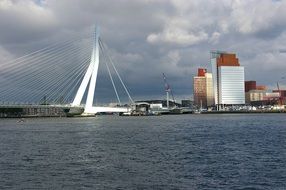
x=166 y=152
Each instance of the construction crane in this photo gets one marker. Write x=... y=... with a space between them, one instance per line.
x=280 y=102
x=168 y=90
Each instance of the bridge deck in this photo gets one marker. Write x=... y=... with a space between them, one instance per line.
x=91 y=110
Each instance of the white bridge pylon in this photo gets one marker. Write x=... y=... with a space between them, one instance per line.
x=91 y=77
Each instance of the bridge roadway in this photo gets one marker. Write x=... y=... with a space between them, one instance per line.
x=35 y=106
x=91 y=110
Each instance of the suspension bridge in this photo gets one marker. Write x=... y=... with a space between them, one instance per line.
x=62 y=76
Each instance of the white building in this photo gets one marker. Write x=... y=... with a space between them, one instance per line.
x=231 y=85
x=228 y=79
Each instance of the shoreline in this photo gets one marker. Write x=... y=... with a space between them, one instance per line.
x=207 y=112
x=245 y=112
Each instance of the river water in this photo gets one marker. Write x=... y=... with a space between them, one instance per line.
x=155 y=152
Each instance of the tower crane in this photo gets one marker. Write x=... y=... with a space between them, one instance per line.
x=280 y=95
x=168 y=90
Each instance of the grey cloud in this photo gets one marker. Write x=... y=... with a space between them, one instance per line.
x=24 y=21
x=149 y=37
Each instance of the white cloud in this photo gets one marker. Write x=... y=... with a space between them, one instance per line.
x=253 y=16
x=5 y=4
x=178 y=37
x=26 y=10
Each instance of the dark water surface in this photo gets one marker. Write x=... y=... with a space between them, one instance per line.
x=160 y=152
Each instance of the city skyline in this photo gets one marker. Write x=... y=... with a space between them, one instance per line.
x=171 y=37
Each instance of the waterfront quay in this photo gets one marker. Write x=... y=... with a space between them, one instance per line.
x=25 y=111
x=8 y=111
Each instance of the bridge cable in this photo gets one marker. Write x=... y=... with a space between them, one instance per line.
x=111 y=61
x=110 y=76
x=17 y=79
x=30 y=79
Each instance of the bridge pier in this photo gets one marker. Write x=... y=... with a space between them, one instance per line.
x=90 y=78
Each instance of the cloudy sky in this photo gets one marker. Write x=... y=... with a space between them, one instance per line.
x=151 y=37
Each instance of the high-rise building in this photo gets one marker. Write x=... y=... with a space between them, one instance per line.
x=228 y=79
x=210 y=91
x=203 y=90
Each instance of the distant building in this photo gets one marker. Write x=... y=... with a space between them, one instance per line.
x=187 y=103
x=250 y=85
x=261 y=97
x=282 y=96
x=228 y=79
x=203 y=88
x=254 y=95
x=210 y=91
x=272 y=95
x=281 y=92
x=261 y=87
x=159 y=103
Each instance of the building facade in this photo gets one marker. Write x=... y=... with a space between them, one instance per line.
x=250 y=85
x=254 y=96
x=203 y=90
x=209 y=88
x=187 y=103
x=228 y=79
x=254 y=93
